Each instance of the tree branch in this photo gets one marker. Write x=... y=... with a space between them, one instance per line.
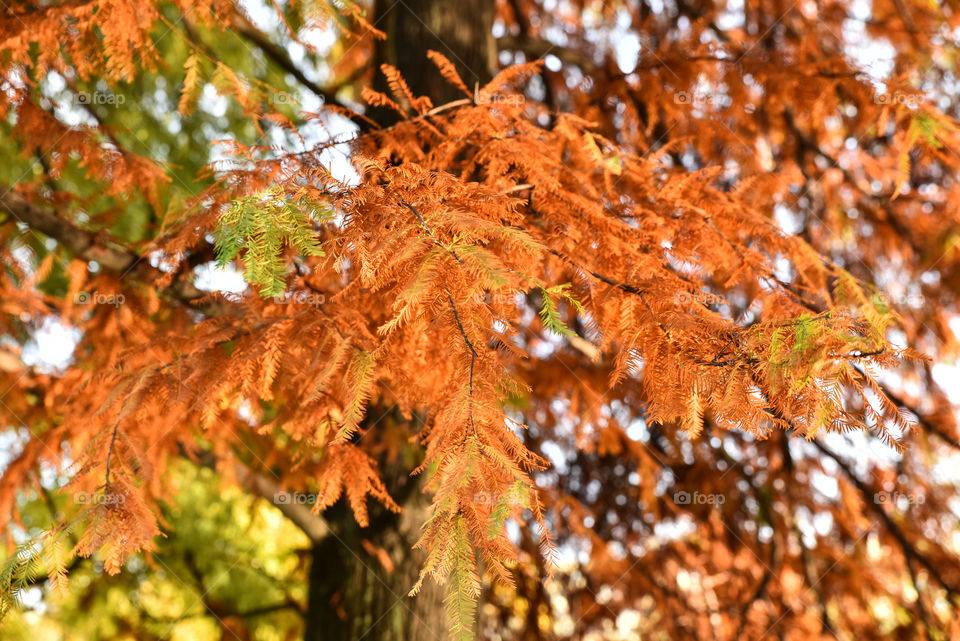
x=313 y=525
x=84 y=244
x=924 y=421
x=537 y=48
x=251 y=34
x=909 y=551
x=81 y=243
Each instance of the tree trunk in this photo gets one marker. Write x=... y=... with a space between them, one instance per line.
x=352 y=594
x=462 y=30
x=360 y=579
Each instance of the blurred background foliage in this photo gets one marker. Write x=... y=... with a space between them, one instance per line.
x=239 y=555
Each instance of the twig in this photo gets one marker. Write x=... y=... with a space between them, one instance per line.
x=113 y=439
x=473 y=356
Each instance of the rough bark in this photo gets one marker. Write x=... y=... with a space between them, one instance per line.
x=354 y=594
x=360 y=578
x=461 y=30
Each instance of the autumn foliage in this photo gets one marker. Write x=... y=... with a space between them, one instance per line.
x=603 y=271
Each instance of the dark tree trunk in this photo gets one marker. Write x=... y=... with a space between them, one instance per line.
x=462 y=30
x=352 y=595
x=360 y=578
x=355 y=595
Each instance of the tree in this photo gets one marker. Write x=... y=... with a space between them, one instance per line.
x=608 y=336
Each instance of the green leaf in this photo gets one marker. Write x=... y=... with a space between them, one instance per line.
x=804 y=333
x=517 y=495
x=256 y=229
x=464 y=584
x=550 y=312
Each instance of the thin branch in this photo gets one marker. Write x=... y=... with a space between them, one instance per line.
x=813 y=582
x=909 y=551
x=429 y=231
x=537 y=48
x=921 y=608
x=113 y=440
x=924 y=421
x=279 y=56
x=473 y=356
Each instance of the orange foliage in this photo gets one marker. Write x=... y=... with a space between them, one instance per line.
x=493 y=270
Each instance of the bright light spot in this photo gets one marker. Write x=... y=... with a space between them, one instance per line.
x=211 y=278
x=51 y=346
x=628 y=52
x=212 y=102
